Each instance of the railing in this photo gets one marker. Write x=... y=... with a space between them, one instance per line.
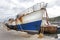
x=36 y=7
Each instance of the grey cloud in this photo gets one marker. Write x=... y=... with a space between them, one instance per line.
x=54 y=3
x=8 y=1
x=26 y=0
x=5 y=9
x=8 y=10
x=18 y=10
x=49 y=5
x=58 y=2
x=11 y=12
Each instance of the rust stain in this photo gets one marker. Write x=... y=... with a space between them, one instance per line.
x=21 y=18
x=50 y=29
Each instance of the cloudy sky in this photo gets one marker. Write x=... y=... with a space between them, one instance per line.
x=10 y=8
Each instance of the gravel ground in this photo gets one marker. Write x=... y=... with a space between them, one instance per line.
x=17 y=35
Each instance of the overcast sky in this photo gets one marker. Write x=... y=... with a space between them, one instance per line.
x=10 y=8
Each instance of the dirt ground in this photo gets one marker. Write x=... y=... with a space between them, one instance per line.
x=18 y=35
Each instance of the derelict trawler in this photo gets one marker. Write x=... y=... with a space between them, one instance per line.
x=31 y=19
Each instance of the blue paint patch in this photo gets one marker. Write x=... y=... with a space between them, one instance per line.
x=30 y=26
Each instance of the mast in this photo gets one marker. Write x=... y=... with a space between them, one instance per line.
x=47 y=18
x=43 y=7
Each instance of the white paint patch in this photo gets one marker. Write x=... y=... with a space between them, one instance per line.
x=35 y=16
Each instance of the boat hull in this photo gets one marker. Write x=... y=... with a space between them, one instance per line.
x=30 y=26
x=31 y=21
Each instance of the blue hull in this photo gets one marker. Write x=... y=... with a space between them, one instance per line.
x=30 y=26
